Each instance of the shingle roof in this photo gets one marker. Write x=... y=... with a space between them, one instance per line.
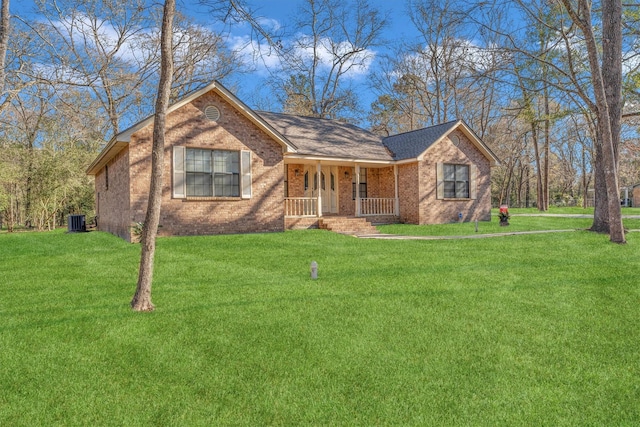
x=324 y=137
x=410 y=145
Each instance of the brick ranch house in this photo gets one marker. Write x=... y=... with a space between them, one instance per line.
x=230 y=169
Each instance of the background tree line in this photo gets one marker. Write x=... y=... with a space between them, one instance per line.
x=518 y=73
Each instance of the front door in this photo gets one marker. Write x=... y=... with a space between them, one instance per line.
x=328 y=186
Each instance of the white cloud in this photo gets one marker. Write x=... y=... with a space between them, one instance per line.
x=262 y=56
x=269 y=24
x=266 y=59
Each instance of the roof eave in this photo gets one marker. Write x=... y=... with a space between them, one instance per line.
x=108 y=152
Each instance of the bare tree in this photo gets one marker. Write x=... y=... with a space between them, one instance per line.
x=577 y=74
x=103 y=46
x=333 y=41
x=142 y=299
x=450 y=72
x=607 y=92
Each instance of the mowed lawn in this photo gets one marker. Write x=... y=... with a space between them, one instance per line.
x=514 y=330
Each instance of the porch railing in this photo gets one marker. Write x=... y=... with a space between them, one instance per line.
x=377 y=206
x=308 y=206
x=300 y=206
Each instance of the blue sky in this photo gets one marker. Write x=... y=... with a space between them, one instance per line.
x=251 y=87
x=281 y=11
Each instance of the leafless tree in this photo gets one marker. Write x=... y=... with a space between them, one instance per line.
x=607 y=92
x=333 y=40
x=102 y=46
x=450 y=72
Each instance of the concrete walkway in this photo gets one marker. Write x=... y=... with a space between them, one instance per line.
x=464 y=236
x=572 y=215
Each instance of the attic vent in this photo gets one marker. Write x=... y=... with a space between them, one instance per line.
x=212 y=113
x=455 y=140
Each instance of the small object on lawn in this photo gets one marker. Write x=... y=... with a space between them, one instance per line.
x=504 y=216
x=314 y=270
x=460 y=216
x=476 y=225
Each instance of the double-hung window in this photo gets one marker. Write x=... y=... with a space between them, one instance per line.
x=211 y=173
x=456 y=181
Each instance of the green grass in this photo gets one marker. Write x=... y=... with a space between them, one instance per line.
x=516 y=223
x=518 y=330
x=577 y=210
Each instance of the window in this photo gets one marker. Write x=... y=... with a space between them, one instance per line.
x=456 y=181
x=363 y=184
x=211 y=173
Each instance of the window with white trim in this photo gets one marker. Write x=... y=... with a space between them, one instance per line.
x=211 y=173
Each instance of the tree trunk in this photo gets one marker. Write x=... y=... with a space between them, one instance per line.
x=605 y=88
x=4 y=39
x=536 y=149
x=142 y=299
x=612 y=30
x=547 y=143
x=585 y=183
x=600 y=204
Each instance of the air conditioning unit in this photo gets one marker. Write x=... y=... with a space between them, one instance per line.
x=76 y=223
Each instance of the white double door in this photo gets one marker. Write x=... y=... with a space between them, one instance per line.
x=327 y=186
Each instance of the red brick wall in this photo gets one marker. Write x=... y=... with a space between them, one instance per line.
x=417 y=186
x=296 y=183
x=189 y=127
x=409 y=193
x=346 y=204
x=112 y=203
x=380 y=182
x=435 y=211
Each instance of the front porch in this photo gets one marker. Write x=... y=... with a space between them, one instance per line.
x=319 y=189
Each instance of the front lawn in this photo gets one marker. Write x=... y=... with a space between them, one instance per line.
x=516 y=330
x=519 y=221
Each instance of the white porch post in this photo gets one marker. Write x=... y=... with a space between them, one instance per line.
x=318 y=176
x=358 y=206
x=396 y=205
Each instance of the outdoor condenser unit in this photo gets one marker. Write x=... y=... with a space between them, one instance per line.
x=76 y=223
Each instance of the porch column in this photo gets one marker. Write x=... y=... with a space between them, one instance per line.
x=358 y=210
x=318 y=176
x=396 y=204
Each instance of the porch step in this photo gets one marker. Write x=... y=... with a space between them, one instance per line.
x=347 y=225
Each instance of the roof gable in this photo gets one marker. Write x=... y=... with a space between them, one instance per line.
x=122 y=139
x=414 y=145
